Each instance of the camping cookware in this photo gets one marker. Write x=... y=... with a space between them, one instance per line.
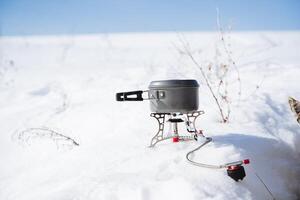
x=167 y=96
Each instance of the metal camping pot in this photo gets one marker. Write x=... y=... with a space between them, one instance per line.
x=167 y=96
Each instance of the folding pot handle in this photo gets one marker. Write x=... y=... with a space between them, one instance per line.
x=130 y=96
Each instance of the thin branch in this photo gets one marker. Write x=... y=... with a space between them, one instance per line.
x=269 y=191
x=221 y=31
x=188 y=53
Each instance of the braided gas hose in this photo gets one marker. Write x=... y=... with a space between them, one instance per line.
x=208 y=140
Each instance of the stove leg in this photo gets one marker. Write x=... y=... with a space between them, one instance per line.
x=160 y=117
x=192 y=116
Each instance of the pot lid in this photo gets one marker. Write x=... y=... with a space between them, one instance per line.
x=173 y=83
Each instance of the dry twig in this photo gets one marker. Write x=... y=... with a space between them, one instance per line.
x=60 y=140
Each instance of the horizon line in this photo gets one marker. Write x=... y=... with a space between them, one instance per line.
x=144 y=32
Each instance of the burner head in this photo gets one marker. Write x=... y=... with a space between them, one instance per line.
x=175 y=120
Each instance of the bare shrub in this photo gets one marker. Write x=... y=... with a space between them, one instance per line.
x=221 y=74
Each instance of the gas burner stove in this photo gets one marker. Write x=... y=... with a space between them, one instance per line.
x=174 y=102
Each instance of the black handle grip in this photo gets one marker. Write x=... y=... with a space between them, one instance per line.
x=130 y=96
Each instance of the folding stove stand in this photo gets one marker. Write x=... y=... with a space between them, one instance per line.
x=175 y=119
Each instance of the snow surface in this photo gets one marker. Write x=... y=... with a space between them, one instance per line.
x=68 y=84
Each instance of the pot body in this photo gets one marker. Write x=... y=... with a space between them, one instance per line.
x=174 y=96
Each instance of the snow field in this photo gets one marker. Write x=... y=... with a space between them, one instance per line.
x=68 y=84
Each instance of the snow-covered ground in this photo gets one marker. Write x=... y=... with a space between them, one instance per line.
x=68 y=84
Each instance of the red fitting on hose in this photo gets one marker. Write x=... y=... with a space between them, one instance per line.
x=176 y=139
x=246 y=161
